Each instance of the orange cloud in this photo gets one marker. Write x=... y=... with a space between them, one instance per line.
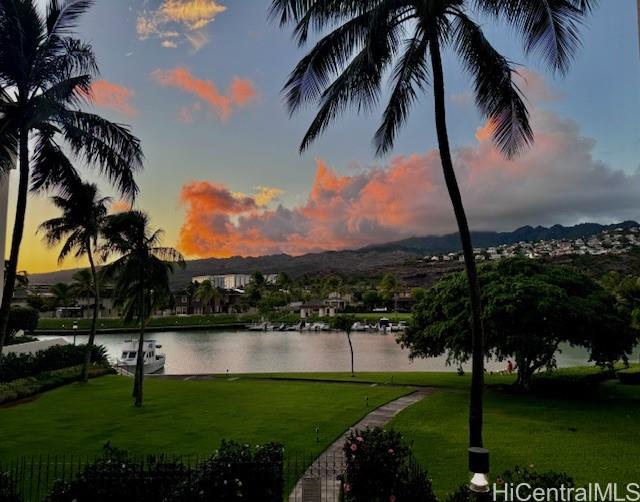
x=120 y=206
x=116 y=97
x=557 y=181
x=241 y=92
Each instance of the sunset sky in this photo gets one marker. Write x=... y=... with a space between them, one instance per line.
x=199 y=81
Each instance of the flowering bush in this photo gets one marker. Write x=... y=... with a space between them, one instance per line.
x=517 y=476
x=380 y=468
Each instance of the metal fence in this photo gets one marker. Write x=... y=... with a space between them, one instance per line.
x=160 y=478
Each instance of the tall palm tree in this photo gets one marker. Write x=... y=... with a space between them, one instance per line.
x=83 y=213
x=45 y=79
x=362 y=39
x=140 y=274
x=206 y=293
x=61 y=293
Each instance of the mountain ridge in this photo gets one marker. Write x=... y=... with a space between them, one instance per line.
x=364 y=259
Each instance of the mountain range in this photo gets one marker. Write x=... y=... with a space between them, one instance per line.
x=363 y=261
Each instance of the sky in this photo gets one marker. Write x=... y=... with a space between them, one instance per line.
x=199 y=81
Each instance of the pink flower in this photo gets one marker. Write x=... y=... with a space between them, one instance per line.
x=354 y=447
x=391 y=452
x=347 y=487
x=392 y=498
x=360 y=439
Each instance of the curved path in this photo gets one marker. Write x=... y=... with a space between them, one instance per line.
x=319 y=482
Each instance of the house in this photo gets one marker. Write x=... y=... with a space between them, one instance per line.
x=316 y=309
x=339 y=301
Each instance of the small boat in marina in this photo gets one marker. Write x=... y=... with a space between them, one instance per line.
x=153 y=360
x=384 y=325
x=259 y=326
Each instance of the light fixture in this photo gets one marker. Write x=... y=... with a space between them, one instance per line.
x=479 y=468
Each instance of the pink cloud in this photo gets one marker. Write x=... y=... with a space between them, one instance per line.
x=241 y=91
x=114 y=96
x=557 y=181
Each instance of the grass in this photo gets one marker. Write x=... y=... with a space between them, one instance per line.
x=185 y=417
x=586 y=427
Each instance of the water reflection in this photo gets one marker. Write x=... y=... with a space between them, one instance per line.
x=261 y=352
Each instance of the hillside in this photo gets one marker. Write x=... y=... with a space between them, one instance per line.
x=369 y=261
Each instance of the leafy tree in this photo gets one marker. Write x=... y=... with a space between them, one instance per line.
x=79 y=227
x=363 y=41
x=46 y=76
x=529 y=309
x=62 y=296
x=370 y=298
x=283 y=281
x=206 y=293
x=36 y=302
x=388 y=288
x=271 y=300
x=345 y=323
x=23 y=319
x=140 y=274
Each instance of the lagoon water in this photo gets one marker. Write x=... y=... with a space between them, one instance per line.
x=240 y=351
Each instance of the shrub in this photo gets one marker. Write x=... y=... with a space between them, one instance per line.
x=8 y=489
x=14 y=366
x=234 y=472
x=237 y=472
x=534 y=479
x=629 y=376
x=22 y=318
x=380 y=468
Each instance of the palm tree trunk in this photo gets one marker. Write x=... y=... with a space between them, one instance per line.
x=351 y=349
x=477 y=376
x=137 y=384
x=16 y=240
x=94 y=321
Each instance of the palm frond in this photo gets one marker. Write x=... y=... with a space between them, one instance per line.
x=497 y=96
x=51 y=168
x=550 y=28
x=410 y=74
x=110 y=146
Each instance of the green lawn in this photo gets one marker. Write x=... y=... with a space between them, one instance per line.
x=186 y=417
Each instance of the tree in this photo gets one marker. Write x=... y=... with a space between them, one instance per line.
x=345 y=323
x=62 y=296
x=140 y=274
x=362 y=40
x=79 y=227
x=370 y=299
x=388 y=288
x=205 y=293
x=530 y=309
x=46 y=74
x=23 y=319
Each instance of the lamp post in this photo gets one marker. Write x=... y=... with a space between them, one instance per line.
x=479 y=468
x=75 y=331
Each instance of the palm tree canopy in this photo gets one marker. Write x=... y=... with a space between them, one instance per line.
x=82 y=284
x=365 y=39
x=206 y=292
x=83 y=211
x=45 y=79
x=140 y=258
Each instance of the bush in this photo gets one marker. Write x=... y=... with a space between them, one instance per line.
x=22 y=318
x=14 y=366
x=8 y=489
x=237 y=472
x=534 y=479
x=629 y=376
x=27 y=387
x=380 y=468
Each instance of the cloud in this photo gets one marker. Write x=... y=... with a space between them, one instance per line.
x=557 y=181
x=265 y=195
x=179 y=20
x=241 y=92
x=120 y=206
x=113 y=96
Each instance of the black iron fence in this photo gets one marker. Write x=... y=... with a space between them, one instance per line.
x=167 y=478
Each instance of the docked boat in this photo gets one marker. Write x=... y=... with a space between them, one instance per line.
x=258 y=326
x=153 y=360
x=384 y=325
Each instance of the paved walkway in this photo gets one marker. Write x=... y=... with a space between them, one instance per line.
x=319 y=483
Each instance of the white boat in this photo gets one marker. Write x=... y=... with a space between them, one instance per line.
x=384 y=325
x=153 y=360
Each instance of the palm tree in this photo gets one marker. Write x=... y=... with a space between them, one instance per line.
x=83 y=213
x=368 y=37
x=61 y=294
x=140 y=274
x=345 y=323
x=45 y=78
x=205 y=293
